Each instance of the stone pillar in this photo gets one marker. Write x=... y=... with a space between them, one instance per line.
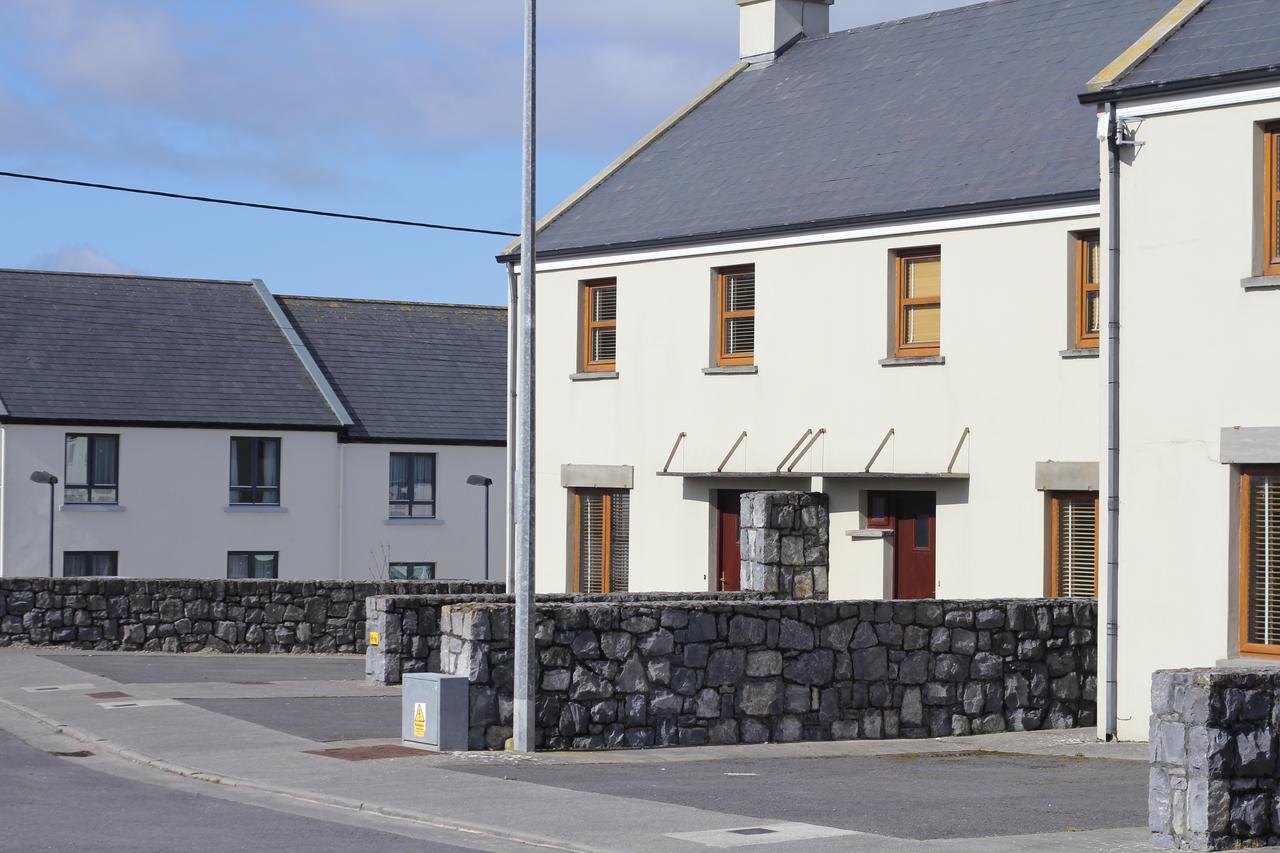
x=784 y=544
x=1214 y=758
x=382 y=661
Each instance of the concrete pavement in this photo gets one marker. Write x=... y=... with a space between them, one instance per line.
x=1054 y=791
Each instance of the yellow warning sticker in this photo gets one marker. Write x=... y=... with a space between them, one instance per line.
x=374 y=637
x=419 y=719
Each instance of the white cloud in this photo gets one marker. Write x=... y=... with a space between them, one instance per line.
x=80 y=258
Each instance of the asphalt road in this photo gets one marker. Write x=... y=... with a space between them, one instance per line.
x=918 y=796
x=51 y=804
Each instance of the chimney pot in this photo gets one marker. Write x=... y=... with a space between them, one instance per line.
x=767 y=26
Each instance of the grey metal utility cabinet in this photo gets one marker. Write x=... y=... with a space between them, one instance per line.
x=435 y=710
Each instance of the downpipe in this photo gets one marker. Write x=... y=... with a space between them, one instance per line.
x=1113 y=412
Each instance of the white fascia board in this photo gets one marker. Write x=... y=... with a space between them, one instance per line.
x=303 y=354
x=815 y=238
x=1223 y=98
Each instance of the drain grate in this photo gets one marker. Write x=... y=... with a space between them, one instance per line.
x=79 y=753
x=370 y=753
x=108 y=694
x=753 y=830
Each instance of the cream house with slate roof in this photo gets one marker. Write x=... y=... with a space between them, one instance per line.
x=210 y=429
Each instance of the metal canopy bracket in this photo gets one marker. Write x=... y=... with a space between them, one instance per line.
x=732 y=450
x=817 y=435
x=672 y=454
x=794 y=448
x=874 y=456
x=964 y=436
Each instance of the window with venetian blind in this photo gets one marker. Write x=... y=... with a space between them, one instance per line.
x=1271 y=200
x=919 y=303
x=1260 y=560
x=1088 y=291
x=600 y=325
x=1074 y=545
x=602 y=537
x=736 y=316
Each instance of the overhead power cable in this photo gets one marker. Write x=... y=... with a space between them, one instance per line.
x=276 y=207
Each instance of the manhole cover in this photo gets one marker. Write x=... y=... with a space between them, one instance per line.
x=370 y=753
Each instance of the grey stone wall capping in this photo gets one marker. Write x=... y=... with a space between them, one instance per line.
x=597 y=476
x=913 y=361
x=1087 y=352
x=1249 y=446
x=685 y=673
x=593 y=377
x=192 y=615
x=869 y=533
x=734 y=370
x=1067 y=476
x=1261 y=282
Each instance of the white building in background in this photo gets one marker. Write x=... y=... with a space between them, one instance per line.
x=209 y=429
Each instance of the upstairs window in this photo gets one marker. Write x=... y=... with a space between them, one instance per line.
x=602 y=540
x=411 y=571
x=253 y=564
x=1271 y=200
x=255 y=471
x=736 y=316
x=92 y=472
x=90 y=564
x=1088 y=293
x=919 y=303
x=1074 y=546
x=600 y=325
x=412 y=491
x=1260 y=560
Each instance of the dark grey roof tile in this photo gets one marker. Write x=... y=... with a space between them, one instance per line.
x=1225 y=36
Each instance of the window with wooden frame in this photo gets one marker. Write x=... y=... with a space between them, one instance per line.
x=736 y=316
x=1271 y=200
x=1088 y=292
x=1260 y=560
x=1073 y=544
x=600 y=325
x=919 y=303
x=602 y=539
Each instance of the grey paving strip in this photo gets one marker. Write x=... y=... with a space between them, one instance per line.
x=750 y=836
x=319 y=718
x=138 y=703
x=154 y=668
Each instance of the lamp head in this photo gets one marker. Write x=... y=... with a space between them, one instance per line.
x=44 y=478
x=479 y=480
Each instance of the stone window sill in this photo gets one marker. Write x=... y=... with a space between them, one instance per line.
x=91 y=508
x=1261 y=282
x=913 y=360
x=593 y=377
x=745 y=369
x=869 y=533
x=419 y=521
x=1246 y=661
x=251 y=508
x=1081 y=352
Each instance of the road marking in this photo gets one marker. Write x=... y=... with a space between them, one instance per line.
x=742 y=774
x=139 y=703
x=52 y=688
x=769 y=833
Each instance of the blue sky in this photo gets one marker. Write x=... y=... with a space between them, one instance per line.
x=398 y=108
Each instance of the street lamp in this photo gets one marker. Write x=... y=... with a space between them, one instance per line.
x=44 y=478
x=480 y=480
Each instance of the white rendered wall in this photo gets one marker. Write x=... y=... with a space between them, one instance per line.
x=822 y=326
x=1197 y=355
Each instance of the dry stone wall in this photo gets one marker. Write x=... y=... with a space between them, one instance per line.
x=188 y=615
x=687 y=673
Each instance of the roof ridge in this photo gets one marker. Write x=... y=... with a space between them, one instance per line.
x=910 y=19
x=130 y=276
x=394 y=302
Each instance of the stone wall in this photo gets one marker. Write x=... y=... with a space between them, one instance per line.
x=187 y=615
x=785 y=541
x=712 y=672
x=1214 y=768
x=408 y=626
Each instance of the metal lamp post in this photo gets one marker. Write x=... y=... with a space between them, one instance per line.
x=480 y=480
x=44 y=478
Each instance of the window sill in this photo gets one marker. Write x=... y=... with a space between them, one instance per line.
x=419 y=521
x=913 y=360
x=593 y=377
x=869 y=533
x=1245 y=660
x=255 y=508
x=91 y=508
x=1080 y=352
x=1261 y=282
x=745 y=369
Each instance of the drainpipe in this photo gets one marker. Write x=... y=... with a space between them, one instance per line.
x=1113 y=409
x=512 y=314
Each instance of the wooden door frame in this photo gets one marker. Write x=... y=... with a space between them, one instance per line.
x=1247 y=473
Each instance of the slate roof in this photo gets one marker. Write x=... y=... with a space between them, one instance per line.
x=410 y=371
x=960 y=109
x=104 y=349
x=1225 y=37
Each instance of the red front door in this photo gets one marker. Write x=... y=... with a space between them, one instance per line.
x=913 y=518
x=729 y=547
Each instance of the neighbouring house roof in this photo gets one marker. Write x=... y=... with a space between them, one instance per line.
x=966 y=109
x=127 y=349
x=410 y=371
x=1220 y=42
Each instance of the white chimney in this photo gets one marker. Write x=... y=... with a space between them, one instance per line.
x=767 y=26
